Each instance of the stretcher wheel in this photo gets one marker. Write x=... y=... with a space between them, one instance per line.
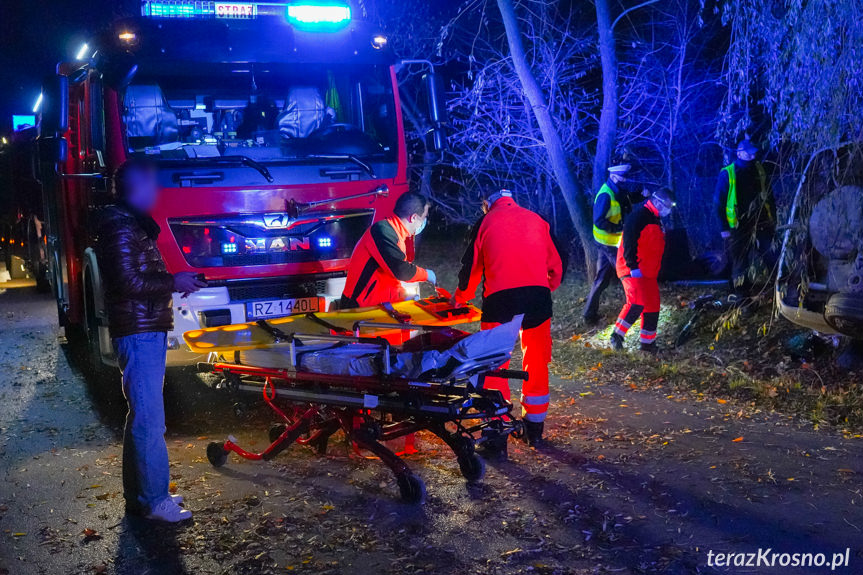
x=217 y=454
x=412 y=488
x=321 y=445
x=472 y=467
x=517 y=429
x=495 y=444
x=276 y=431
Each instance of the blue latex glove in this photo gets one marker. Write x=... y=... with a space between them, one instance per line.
x=636 y=273
x=432 y=279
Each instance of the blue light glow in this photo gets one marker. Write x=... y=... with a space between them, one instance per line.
x=229 y=248
x=319 y=13
x=22 y=120
x=325 y=242
x=38 y=104
x=175 y=9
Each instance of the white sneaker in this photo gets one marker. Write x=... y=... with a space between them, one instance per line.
x=177 y=499
x=169 y=512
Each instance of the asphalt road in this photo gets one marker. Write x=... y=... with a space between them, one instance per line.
x=635 y=481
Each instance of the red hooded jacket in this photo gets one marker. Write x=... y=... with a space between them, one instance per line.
x=512 y=249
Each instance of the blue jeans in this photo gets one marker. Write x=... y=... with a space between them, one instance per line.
x=145 y=454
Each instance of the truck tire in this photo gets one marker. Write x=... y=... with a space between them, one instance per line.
x=103 y=375
x=844 y=312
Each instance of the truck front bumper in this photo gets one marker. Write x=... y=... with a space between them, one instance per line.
x=188 y=314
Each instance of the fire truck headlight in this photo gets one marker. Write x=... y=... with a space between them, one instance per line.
x=319 y=13
x=325 y=242
x=127 y=36
x=229 y=248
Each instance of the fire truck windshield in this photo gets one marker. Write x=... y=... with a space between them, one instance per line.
x=265 y=113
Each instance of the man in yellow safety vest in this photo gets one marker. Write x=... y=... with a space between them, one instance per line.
x=747 y=215
x=610 y=206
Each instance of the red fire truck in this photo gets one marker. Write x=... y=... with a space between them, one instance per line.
x=278 y=134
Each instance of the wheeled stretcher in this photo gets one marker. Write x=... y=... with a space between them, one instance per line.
x=374 y=391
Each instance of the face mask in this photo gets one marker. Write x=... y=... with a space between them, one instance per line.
x=662 y=207
x=422 y=227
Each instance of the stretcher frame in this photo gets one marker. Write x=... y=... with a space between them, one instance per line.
x=374 y=409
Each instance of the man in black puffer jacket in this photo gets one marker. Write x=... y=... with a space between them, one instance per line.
x=138 y=290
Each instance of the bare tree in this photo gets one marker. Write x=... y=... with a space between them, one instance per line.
x=569 y=188
x=607 y=130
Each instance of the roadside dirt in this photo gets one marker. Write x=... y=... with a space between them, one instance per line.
x=637 y=479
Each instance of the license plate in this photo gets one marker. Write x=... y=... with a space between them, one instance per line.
x=280 y=307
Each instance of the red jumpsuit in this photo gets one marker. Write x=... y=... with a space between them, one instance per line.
x=641 y=247
x=382 y=259
x=512 y=249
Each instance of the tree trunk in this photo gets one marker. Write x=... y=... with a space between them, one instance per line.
x=608 y=116
x=569 y=188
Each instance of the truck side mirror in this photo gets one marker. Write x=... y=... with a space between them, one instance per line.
x=120 y=71
x=55 y=106
x=436 y=111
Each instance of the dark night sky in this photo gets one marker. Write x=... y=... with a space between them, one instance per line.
x=34 y=36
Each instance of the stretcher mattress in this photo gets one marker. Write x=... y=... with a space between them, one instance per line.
x=243 y=337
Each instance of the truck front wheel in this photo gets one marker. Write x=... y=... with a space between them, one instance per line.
x=102 y=374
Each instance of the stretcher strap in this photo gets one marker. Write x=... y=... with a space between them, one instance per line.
x=276 y=333
x=324 y=323
x=269 y=397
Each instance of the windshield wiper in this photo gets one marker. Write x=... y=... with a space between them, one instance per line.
x=348 y=158
x=255 y=165
x=234 y=159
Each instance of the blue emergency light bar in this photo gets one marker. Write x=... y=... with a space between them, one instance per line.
x=299 y=13
x=327 y=14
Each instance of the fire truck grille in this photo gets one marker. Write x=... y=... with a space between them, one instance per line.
x=280 y=290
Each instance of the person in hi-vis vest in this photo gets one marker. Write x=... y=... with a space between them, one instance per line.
x=610 y=206
x=747 y=215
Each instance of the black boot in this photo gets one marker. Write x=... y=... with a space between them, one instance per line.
x=533 y=433
x=591 y=320
x=649 y=348
x=616 y=342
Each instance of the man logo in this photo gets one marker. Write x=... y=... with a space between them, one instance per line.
x=288 y=244
x=275 y=245
x=275 y=221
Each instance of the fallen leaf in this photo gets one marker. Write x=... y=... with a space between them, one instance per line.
x=172 y=487
x=90 y=534
x=737 y=439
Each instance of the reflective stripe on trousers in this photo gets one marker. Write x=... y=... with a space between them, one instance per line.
x=642 y=300
x=536 y=351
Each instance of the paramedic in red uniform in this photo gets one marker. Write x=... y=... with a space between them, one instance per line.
x=383 y=258
x=513 y=250
x=639 y=259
